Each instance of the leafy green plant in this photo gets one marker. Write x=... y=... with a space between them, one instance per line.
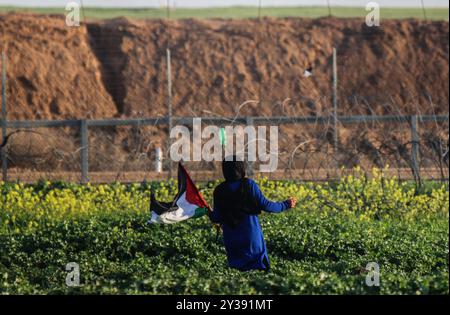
x=321 y=247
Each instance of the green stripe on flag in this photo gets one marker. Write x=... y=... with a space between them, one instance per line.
x=199 y=212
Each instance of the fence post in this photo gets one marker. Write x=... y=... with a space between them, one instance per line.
x=84 y=151
x=424 y=11
x=259 y=9
x=329 y=8
x=335 y=100
x=250 y=173
x=3 y=150
x=415 y=140
x=158 y=160
x=169 y=107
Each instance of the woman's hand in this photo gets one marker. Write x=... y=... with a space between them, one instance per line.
x=292 y=202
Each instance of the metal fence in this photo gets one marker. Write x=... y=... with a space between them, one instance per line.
x=413 y=146
x=84 y=127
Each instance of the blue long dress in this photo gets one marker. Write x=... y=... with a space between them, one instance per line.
x=245 y=245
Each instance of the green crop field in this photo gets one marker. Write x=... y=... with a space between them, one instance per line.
x=246 y=12
x=321 y=247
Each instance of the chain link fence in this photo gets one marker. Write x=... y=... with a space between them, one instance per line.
x=410 y=147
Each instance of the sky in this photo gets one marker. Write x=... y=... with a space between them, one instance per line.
x=222 y=3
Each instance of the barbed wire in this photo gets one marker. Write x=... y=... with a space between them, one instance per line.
x=305 y=148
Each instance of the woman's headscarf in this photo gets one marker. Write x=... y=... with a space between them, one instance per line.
x=233 y=169
x=234 y=205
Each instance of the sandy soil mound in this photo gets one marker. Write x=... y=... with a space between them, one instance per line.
x=118 y=67
x=219 y=64
x=52 y=70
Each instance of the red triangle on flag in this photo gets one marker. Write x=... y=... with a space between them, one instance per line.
x=193 y=195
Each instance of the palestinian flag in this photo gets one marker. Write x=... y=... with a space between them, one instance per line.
x=188 y=203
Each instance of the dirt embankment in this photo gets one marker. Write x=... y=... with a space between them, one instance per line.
x=118 y=67
x=52 y=72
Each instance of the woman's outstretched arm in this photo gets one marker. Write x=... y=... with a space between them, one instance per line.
x=267 y=205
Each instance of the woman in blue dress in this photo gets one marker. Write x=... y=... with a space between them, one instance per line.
x=237 y=203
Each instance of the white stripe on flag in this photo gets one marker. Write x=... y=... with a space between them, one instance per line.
x=185 y=211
